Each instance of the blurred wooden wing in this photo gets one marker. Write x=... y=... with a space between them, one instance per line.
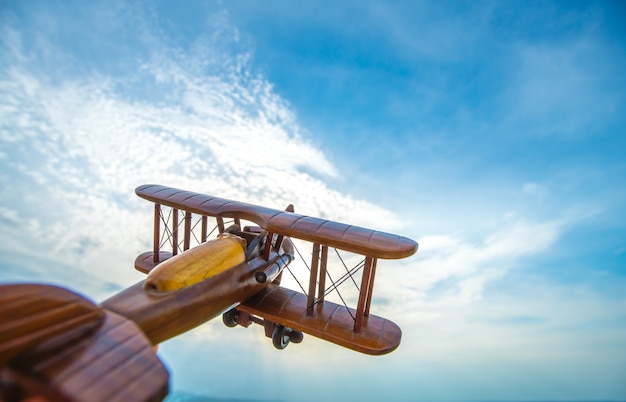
x=69 y=349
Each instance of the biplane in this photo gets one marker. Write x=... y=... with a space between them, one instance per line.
x=205 y=262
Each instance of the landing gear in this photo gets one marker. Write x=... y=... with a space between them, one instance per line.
x=296 y=336
x=230 y=318
x=283 y=335
x=280 y=338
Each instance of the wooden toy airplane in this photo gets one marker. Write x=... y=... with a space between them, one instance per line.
x=58 y=345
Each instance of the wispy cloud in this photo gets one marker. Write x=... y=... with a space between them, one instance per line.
x=77 y=146
x=77 y=136
x=83 y=142
x=456 y=272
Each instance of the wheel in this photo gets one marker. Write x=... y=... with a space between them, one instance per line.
x=230 y=318
x=295 y=336
x=280 y=337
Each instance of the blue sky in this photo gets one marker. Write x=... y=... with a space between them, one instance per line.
x=493 y=133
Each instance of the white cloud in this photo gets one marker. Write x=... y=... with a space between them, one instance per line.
x=451 y=271
x=74 y=148
x=216 y=127
x=9 y=215
x=82 y=145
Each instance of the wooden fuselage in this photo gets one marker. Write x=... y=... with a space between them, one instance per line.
x=164 y=315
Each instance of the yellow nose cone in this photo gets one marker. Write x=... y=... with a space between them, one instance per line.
x=197 y=264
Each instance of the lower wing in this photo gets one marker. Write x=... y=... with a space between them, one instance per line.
x=328 y=321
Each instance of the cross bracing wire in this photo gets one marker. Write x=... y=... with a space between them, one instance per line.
x=346 y=267
x=166 y=236
x=167 y=233
x=340 y=281
x=334 y=285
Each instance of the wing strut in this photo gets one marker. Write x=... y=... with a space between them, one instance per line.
x=187 y=238
x=368 y=303
x=317 y=284
x=205 y=228
x=367 y=282
x=157 y=232
x=321 y=292
x=313 y=278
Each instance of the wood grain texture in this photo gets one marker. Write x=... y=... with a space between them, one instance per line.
x=328 y=321
x=116 y=363
x=339 y=235
x=162 y=316
x=145 y=262
x=32 y=313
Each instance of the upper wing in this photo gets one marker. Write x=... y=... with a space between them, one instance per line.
x=59 y=345
x=338 y=235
